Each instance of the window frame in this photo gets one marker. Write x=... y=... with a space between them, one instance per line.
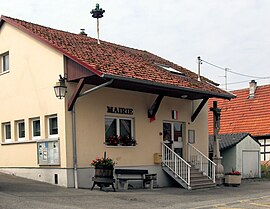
x=5 y=66
x=5 y=132
x=49 y=127
x=172 y=135
x=32 y=128
x=19 y=129
x=118 y=129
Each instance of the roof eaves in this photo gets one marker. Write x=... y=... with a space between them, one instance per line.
x=210 y=94
x=1 y=21
x=6 y=19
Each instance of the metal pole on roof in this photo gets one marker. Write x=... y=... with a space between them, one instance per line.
x=98 y=31
x=97 y=13
x=226 y=78
x=199 y=68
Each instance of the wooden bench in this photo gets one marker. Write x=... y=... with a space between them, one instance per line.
x=126 y=175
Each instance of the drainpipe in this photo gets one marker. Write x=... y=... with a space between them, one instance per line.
x=75 y=164
x=74 y=140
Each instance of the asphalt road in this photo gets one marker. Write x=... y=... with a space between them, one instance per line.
x=20 y=193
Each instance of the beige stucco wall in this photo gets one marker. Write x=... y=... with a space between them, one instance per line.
x=90 y=121
x=27 y=92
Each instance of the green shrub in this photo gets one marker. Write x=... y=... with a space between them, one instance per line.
x=265 y=169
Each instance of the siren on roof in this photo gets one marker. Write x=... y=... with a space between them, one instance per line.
x=97 y=13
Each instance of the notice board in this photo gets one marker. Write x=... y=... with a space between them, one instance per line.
x=48 y=152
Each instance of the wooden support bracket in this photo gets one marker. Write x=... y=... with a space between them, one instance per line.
x=76 y=94
x=198 y=110
x=154 y=108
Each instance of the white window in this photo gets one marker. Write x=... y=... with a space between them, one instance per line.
x=119 y=132
x=53 y=126
x=7 y=132
x=36 y=128
x=4 y=62
x=21 y=130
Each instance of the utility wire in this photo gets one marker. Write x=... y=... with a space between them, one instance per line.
x=230 y=71
x=243 y=81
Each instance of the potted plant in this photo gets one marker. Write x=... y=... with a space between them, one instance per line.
x=233 y=178
x=103 y=167
x=103 y=172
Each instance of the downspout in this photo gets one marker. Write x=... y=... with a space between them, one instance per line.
x=74 y=138
x=75 y=164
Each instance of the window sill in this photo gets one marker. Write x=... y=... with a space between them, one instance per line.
x=18 y=142
x=47 y=139
x=30 y=141
x=3 y=73
x=119 y=146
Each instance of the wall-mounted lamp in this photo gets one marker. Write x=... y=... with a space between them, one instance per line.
x=60 y=88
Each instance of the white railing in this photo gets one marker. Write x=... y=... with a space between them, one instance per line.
x=201 y=162
x=176 y=164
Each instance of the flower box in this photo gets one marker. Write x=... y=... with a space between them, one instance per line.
x=233 y=180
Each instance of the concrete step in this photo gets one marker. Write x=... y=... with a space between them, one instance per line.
x=203 y=186
x=200 y=180
x=197 y=179
x=196 y=175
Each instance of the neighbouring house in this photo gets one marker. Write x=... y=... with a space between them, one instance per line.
x=240 y=152
x=126 y=102
x=248 y=112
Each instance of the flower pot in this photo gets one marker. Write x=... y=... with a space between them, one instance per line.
x=234 y=180
x=104 y=171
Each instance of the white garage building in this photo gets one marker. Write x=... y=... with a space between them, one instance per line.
x=240 y=152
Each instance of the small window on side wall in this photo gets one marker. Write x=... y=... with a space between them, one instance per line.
x=35 y=128
x=191 y=136
x=4 y=62
x=7 y=132
x=119 y=132
x=53 y=126
x=21 y=130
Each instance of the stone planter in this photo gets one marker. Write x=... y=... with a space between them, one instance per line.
x=233 y=180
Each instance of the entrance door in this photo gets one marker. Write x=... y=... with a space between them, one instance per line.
x=173 y=136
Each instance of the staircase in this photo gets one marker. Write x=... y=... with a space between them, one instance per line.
x=197 y=174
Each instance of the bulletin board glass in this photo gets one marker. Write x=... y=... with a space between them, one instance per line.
x=48 y=152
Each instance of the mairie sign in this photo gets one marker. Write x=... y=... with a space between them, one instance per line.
x=120 y=110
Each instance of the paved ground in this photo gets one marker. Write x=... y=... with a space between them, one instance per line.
x=19 y=193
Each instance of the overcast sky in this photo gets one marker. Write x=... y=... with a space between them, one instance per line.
x=233 y=34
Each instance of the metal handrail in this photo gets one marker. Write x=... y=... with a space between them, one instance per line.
x=176 y=164
x=201 y=162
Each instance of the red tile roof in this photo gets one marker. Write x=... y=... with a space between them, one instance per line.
x=243 y=114
x=113 y=59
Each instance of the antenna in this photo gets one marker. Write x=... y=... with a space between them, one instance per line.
x=97 y=13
